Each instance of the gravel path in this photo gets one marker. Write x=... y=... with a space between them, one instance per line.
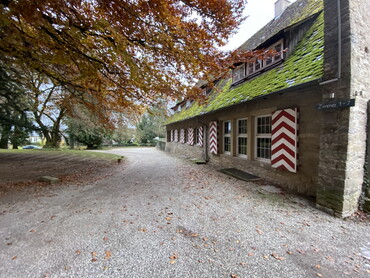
x=161 y=216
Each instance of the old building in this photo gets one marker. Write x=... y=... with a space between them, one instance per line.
x=298 y=118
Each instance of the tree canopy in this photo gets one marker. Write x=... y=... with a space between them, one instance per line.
x=118 y=54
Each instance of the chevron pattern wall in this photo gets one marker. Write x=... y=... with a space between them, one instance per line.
x=171 y=136
x=176 y=136
x=182 y=136
x=191 y=136
x=200 y=136
x=213 y=148
x=284 y=139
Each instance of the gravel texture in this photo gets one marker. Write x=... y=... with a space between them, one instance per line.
x=160 y=216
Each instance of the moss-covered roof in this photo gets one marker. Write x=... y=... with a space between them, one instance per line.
x=303 y=65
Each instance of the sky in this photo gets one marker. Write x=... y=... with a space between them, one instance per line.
x=260 y=12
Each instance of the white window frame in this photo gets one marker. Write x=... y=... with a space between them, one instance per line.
x=276 y=58
x=242 y=69
x=226 y=135
x=241 y=135
x=261 y=135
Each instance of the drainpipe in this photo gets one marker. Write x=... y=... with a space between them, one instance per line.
x=205 y=136
x=339 y=73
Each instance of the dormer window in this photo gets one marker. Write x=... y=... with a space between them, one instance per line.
x=189 y=103
x=239 y=72
x=247 y=69
x=207 y=90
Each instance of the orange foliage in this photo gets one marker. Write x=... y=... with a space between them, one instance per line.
x=119 y=54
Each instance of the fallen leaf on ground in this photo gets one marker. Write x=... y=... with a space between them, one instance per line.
x=194 y=235
x=78 y=252
x=318 y=275
x=250 y=254
x=173 y=257
x=318 y=266
x=234 y=276
x=276 y=256
x=168 y=218
x=289 y=252
x=259 y=232
x=105 y=238
x=14 y=258
x=172 y=262
x=94 y=259
x=93 y=254
x=242 y=264
x=108 y=254
x=32 y=231
x=142 y=230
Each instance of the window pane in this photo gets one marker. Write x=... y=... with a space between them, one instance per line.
x=242 y=145
x=258 y=65
x=227 y=127
x=242 y=127
x=227 y=144
x=264 y=125
x=264 y=148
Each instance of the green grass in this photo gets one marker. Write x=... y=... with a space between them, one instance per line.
x=87 y=154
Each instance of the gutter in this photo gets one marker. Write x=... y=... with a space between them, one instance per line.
x=339 y=72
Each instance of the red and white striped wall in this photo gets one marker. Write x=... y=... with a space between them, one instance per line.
x=191 y=136
x=182 y=136
x=213 y=147
x=284 y=139
x=200 y=136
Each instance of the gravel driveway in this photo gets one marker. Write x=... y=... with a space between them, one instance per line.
x=160 y=216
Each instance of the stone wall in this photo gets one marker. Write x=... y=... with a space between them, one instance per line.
x=343 y=131
x=305 y=180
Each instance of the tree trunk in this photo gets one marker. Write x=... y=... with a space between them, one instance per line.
x=5 y=136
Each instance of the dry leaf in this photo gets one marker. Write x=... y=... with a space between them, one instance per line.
x=168 y=218
x=276 y=256
x=94 y=259
x=242 y=264
x=93 y=254
x=250 y=254
x=32 y=231
x=318 y=275
x=318 y=266
x=234 y=276
x=14 y=258
x=105 y=238
x=108 y=254
x=194 y=235
x=78 y=252
x=172 y=262
x=259 y=232
x=289 y=252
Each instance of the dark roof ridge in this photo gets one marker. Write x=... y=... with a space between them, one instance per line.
x=295 y=13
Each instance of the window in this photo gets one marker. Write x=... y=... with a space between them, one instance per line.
x=207 y=90
x=227 y=137
x=263 y=138
x=242 y=137
x=246 y=69
x=239 y=73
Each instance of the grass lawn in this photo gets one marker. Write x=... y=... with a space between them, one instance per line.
x=90 y=154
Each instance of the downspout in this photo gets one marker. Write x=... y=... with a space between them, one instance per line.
x=339 y=73
x=205 y=136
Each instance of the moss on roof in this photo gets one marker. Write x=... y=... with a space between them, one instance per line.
x=303 y=65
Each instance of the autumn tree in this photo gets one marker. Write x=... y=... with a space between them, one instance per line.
x=118 y=54
x=151 y=124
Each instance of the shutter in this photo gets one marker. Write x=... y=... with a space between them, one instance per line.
x=284 y=139
x=200 y=138
x=213 y=137
x=176 y=136
x=191 y=136
x=172 y=136
x=182 y=136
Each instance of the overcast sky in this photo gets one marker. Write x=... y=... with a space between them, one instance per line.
x=260 y=12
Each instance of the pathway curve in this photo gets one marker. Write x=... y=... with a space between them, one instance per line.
x=161 y=216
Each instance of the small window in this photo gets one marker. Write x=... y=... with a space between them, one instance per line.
x=227 y=137
x=258 y=65
x=263 y=138
x=242 y=137
x=250 y=68
x=239 y=73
